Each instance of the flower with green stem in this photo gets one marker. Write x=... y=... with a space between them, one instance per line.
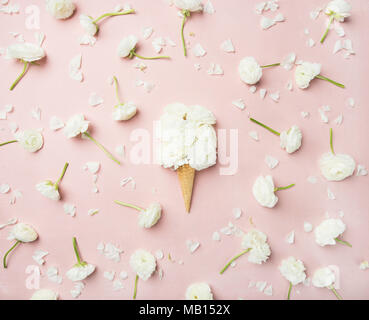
x=325 y=278
x=50 y=189
x=294 y=271
x=81 y=270
x=30 y=140
x=27 y=53
x=336 y=167
x=290 y=140
x=187 y=7
x=77 y=125
x=329 y=231
x=254 y=242
x=307 y=71
x=143 y=264
x=127 y=49
x=336 y=10
x=148 y=217
x=21 y=233
x=90 y=25
x=122 y=111
x=250 y=71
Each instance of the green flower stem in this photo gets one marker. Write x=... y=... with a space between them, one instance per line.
x=284 y=188
x=4 y=143
x=271 y=65
x=62 y=174
x=110 y=14
x=76 y=251
x=116 y=89
x=20 y=76
x=266 y=127
x=289 y=292
x=128 y=205
x=10 y=250
x=330 y=80
x=233 y=259
x=343 y=242
x=327 y=30
x=148 y=58
x=135 y=289
x=336 y=293
x=331 y=139
x=186 y=14
x=101 y=147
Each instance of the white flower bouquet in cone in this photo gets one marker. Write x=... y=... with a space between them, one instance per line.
x=188 y=143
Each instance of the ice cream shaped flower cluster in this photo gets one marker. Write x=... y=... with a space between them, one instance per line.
x=188 y=142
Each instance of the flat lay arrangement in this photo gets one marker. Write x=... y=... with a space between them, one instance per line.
x=185 y=191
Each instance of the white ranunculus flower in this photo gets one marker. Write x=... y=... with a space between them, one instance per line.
x=263 y=191
x=327 y=232
x=23 y=232
x=293 y=270
x=60 y=9
x=80 y=272
x=149 y=217
x=199 y=291
x=88 y=24
x=291 y=139
x=189 y=5
x=249 y=70
x=48 y=189
x=323 y=278
x=336 y=167
x=306 y=72
x=31 y=140
x=126 y=46
x=25 y=51
x=124 y=111
x=339 y=9
x=257 y=242
x=76 y=125
x=44 y=294
x=143 y=263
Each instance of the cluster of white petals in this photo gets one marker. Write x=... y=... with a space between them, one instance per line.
x=88 y=24
x=23 y=232
x=293 y=270
x=291 y=139
x=336 y=167
x=126 y=45
x=339 y=9
x=76 y=125
x=48 y=189
x=149 y=217
x=187 y=136
x=60 y=9
x=25 y=51
x=323 y=278
x=199 y=291
x=44 y=294
x=143 y=263
x=257 y=242
x=124 y=111
x=327 y=232
x=30 y=140
x=80 y=271
x=249 y=70
x=189 y=5
x=263 y=191
x=306 y=72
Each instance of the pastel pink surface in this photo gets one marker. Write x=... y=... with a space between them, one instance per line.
x=49 y=87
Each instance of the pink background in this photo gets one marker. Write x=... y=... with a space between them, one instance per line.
x=50 y=88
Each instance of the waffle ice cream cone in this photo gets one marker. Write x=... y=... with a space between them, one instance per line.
x=186 y=176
